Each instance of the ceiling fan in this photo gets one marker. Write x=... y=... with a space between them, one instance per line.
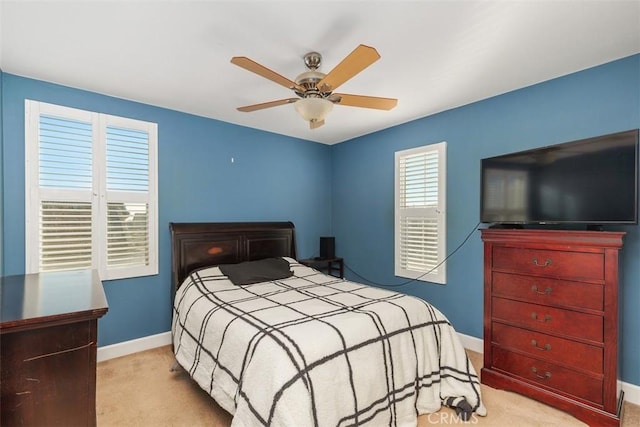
x=315 y=89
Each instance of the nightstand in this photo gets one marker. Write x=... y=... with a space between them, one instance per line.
x=330 y=265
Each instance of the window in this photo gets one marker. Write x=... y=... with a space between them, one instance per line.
x=420 y=217
x=91 y=192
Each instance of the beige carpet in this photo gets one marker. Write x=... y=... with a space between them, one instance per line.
x=140 y=390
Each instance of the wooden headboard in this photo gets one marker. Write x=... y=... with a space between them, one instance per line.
x=196 y=245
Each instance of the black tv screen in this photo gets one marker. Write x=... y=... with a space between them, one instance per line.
x=592 y=181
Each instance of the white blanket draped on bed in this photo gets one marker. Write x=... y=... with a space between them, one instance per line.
x=313 y=350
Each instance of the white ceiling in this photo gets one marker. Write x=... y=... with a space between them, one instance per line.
x=435 y=55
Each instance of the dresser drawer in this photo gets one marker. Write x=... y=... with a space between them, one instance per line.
x=541 y=290
x=550 y=348
x=549 y=319
x=48 y=376
x=557 y=264
x=549 y=375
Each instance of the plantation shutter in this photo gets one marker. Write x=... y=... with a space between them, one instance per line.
x=127 y=195
x=420 y=232
x=64 y=209
x=91 y=192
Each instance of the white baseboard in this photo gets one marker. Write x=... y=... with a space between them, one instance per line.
x=631 y=391
x=471 y=343
x=134 y=346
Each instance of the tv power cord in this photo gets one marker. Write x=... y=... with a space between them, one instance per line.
x=475 y=227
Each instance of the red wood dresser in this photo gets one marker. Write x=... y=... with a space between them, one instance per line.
x=48 y=335
x=551 y=319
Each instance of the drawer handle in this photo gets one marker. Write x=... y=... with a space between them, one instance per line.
x=535 y=290
x=546 y=375
x=547 y=317
x=546 y=347
x=547 y=262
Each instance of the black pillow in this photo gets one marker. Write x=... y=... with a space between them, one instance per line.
x=264 y=270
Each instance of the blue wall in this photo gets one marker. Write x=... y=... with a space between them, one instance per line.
x=597 y=101
x=272 y=178
x=1 y=180
x=280 y=178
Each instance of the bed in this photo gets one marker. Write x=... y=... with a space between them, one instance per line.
x=286 y=345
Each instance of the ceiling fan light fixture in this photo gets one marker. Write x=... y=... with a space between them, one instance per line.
x=313 y=108
x=315 y=89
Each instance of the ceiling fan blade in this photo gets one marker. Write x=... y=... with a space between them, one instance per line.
x=254 y=107
x=352 y=64
x=363 y=101
x=261 y=70
x=314 y=124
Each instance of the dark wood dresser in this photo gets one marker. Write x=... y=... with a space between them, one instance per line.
x=551 y=319
x=48 y=335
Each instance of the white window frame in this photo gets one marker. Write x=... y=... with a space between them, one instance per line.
x=98 y=196
x=437 y=273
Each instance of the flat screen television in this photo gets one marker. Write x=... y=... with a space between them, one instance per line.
x=592 y=181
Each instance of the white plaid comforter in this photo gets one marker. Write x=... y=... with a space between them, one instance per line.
x=313 y=350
